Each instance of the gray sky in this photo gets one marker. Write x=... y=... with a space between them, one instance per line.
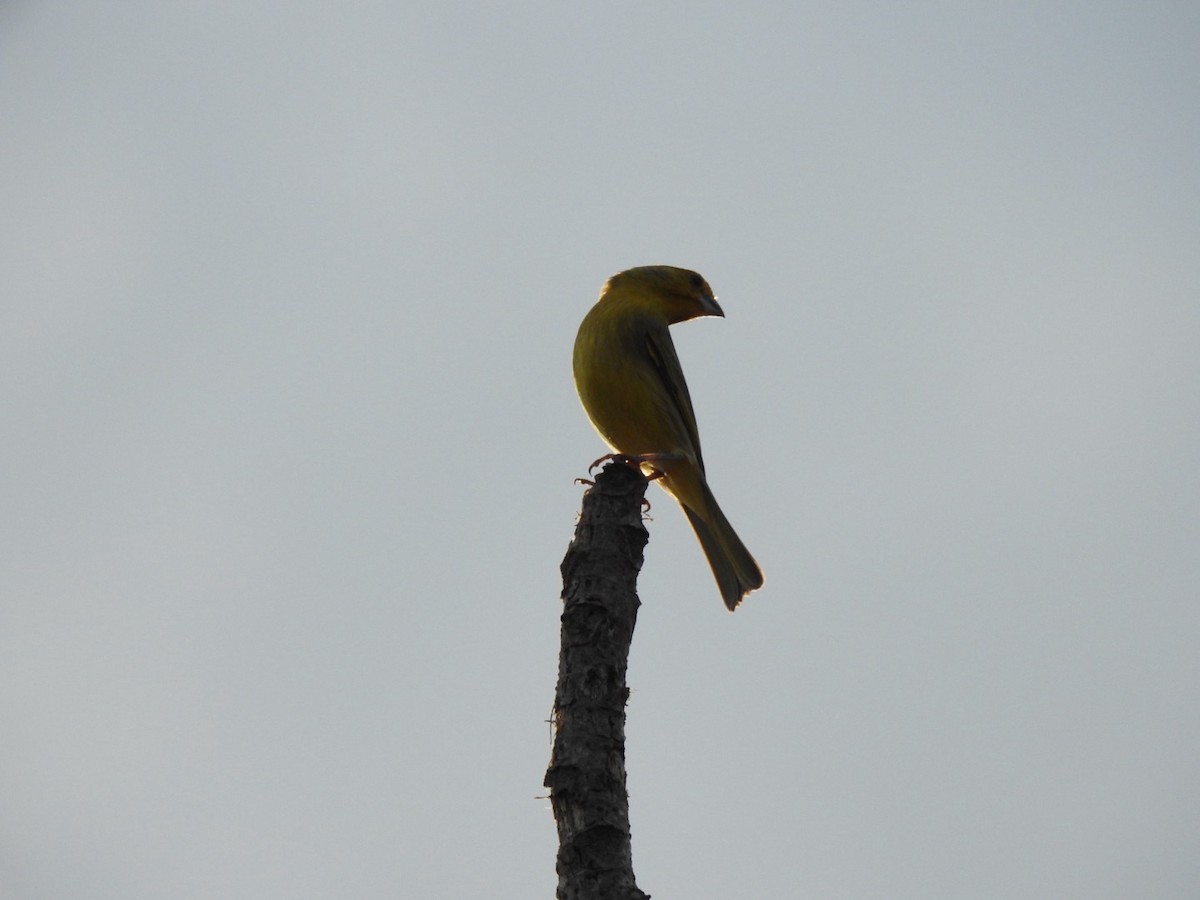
x=290 y=293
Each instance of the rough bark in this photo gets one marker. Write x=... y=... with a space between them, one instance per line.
x=586 y=776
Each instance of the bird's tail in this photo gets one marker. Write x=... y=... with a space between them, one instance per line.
x=734 y=568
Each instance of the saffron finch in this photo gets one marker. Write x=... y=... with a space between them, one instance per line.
x=632 y=387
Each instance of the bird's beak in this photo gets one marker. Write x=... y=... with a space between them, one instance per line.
x=712 y=308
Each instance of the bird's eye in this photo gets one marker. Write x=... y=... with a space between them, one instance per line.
x=696 y=281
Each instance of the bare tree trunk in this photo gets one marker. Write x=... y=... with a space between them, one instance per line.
x=586 y=776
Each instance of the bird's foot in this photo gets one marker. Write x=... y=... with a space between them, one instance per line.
x=605 y=458
x=636 y=461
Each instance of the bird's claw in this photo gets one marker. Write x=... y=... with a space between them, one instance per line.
x=606 y=456
x=639 y=460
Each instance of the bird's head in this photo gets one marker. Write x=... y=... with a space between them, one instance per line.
x=678 y=294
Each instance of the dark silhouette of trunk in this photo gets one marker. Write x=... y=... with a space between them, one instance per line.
x=586 y=776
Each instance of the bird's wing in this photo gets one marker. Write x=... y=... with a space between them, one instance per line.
x=660 y=349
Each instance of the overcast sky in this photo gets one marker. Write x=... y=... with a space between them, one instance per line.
x=289 y=295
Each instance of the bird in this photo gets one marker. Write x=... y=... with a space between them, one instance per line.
x=631 y=385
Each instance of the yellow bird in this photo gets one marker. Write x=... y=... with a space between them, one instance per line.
x=631 y=385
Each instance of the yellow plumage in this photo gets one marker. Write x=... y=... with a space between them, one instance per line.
x=631 y=385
